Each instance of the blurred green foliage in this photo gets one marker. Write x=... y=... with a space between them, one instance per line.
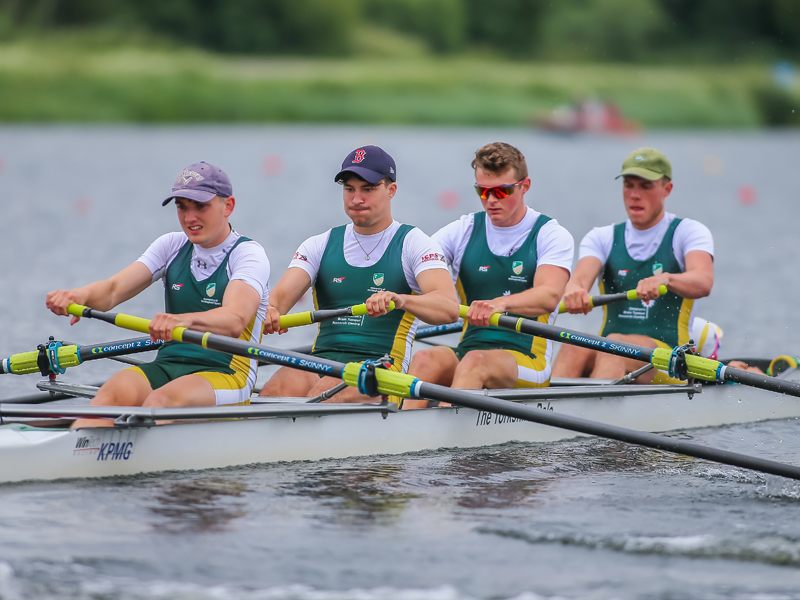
x=596 y=30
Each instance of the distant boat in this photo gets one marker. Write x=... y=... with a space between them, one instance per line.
x=588 y=116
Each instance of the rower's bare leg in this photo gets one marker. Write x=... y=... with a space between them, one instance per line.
x=189 y=390
x=349 y=394
x=124 y=388
x=609 y=366
x=574 y=361
x=490 y=369
x=289 y=383
x=435 y=365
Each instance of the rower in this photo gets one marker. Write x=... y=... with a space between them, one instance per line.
x=508 y=258
x=651 y=248
x=215 y=280
x=373 y=260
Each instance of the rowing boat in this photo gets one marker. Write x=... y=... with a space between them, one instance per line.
x=39 y=448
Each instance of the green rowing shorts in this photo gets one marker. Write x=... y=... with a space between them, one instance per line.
x=160 y=372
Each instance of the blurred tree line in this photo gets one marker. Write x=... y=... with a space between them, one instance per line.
x=608 y=30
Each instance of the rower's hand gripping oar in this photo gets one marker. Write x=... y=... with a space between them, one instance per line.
x=383 y=381
x=315 y=316
x=671 y=361
x=54 y=357
x=595 y=301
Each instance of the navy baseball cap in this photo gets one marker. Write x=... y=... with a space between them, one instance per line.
x=201 y=182
x=370 y=163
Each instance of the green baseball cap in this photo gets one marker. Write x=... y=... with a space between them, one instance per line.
x=647 y=163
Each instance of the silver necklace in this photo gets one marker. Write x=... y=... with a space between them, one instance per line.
x=366 y=254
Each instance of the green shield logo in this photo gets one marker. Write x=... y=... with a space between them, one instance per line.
x=377 y=278
x=210 y=289
x=516 y=266
x=658 y=268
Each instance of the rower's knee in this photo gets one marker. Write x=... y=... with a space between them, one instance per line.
x=287 y=382
x=436 y=365
x=573 y=361
x=124 y=388
x=475 y=367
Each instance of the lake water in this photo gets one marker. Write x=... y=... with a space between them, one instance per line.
x=579 y=519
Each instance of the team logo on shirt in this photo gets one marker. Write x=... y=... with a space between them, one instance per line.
x=658 y=268
x=177 y=286
x=622 y=272
x=377 y=278
x=210 y=289
x=483 y=269
x=516 y=266
x=298 y=256
x=338 y=280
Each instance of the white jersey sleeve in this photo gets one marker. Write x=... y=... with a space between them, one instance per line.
x=309 y=255
x=691 y=235
x=555 y=246
x=453 y=238
x=420 y=254
x=248 y=262
x=161 y=253
x=597 y=243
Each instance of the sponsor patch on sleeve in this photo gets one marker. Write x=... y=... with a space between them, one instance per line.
x=434 y=256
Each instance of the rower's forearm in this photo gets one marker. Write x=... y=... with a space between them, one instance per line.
x=584 y=274
x=284 y=299
x=690 y=285
x=221 y=321
x=534 y=302
x=98 y=295
x=435 y=308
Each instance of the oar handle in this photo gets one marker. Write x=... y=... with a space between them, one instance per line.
x=603 y=299
x=315 y=316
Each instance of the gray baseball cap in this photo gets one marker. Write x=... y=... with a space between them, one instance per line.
x=201 y=182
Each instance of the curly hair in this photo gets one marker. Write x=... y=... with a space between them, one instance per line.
x=499 y=157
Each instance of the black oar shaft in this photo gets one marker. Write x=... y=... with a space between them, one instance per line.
x=112 y=349
x=761 y=380
x=622 y=434
x=722 y=374
x=576 y=338
x=435 y=330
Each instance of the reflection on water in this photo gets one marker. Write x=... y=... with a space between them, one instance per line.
x=199 y=505
x=496 y=477
x=359 y=496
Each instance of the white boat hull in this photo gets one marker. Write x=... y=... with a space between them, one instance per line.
x=101 y=452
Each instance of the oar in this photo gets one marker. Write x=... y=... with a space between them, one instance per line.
x=436 y=330
x=600 y=300
x=315 y=316
x=698 y=367
x=384 y=381
x=56 y=358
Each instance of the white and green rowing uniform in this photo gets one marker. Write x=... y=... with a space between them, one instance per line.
x=488 y=262
x=195 y=279
x=630 y=255
x=342 y=275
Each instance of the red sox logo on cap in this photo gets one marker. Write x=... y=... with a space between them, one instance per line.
x=359 y=156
